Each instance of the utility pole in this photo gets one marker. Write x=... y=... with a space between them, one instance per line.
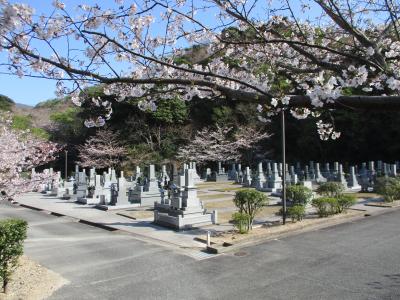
x=66 y=165
x=283 y=167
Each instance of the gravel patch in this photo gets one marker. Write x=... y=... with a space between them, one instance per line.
x=32 y=281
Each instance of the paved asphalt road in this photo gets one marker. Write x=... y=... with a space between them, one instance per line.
x=358 y=260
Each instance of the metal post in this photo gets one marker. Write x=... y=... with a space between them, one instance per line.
x=283 y=168
x=66 y=165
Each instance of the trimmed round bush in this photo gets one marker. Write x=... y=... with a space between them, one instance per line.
x=389 y=188
x=299 y=195
x=250 y=202
x=330 y=189
x=296 y=212
x=345 y=201
x=325 y=206
x=12 y=236
x=241 y=222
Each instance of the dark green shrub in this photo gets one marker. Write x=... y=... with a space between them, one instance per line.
x=325 y=206
x=330 y=189
x=389 y=188
x=241 y=222
x=12 y=236
x=344 y=202
x=298 y=194
x=296 y=212
x=250 y=202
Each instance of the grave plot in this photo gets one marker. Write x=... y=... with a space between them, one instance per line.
x=219 y=196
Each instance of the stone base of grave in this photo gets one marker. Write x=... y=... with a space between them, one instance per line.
x=92 y=200
x=259 y=185
x=277 y=193
x=66 y=196
x=266 y=189
x=307 y=184
x=144 y=198
x=116 y=207
x=81 y=195
x=81 y=200
x=232 y=175
x=197 y=179
x=180 y=219
x=69 y=196
x=342 y=181
x=218 y=177
x=51 y=193
x=272 y=187
x=246 y=184
x=162 y=207
x=60 y=192
x=356 y=188
x=320 y=180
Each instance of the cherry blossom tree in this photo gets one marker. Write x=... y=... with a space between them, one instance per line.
x=20 y=151
x=102 y=150
x=307 y=56
x=220 y=144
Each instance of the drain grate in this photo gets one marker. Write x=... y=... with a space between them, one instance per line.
x=240 y=253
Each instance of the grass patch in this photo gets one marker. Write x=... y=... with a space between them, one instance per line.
x=364 y=195
x=228 y=189
x=226 y=217
x=215 y=184
x=214 y=196
x=219 y=204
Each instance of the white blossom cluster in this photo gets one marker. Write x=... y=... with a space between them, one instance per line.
x=20 y=151
x=326 y=131
x=238 y=55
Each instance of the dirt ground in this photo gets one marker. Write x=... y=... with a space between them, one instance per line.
x=263 y=231
x=32 y=281
x=226 y=217
x=137 y=214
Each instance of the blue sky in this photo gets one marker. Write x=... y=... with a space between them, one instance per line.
x=26 y=90
x=31 y=91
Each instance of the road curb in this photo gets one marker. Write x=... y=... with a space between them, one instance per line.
x=82 y=221
x=140 y=237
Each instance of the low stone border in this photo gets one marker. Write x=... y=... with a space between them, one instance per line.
x=384 y=204
x=138 y=236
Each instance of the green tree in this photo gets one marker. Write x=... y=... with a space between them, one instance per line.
x=171 y=111
x=250 y=202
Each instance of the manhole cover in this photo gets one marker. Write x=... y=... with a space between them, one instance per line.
x=240 y=253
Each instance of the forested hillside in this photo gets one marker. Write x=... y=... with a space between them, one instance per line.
x=156 y=136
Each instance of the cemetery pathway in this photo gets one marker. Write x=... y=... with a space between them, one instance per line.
x=142 y=229
x=358 y=260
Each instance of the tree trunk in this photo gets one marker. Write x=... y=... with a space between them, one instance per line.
x=5 y=285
